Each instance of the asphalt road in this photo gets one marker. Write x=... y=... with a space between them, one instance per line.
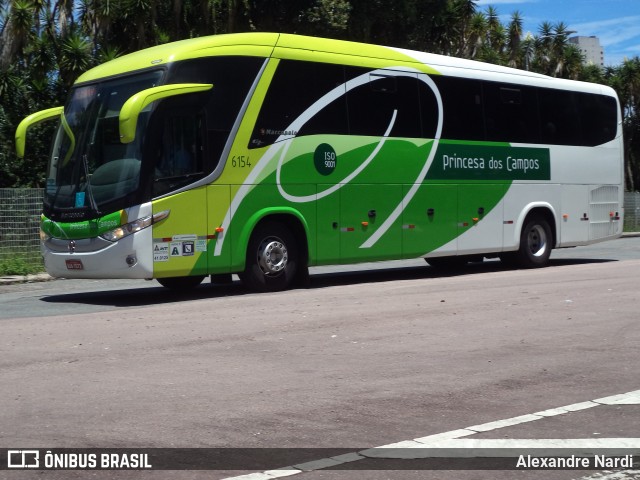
x=361 y=359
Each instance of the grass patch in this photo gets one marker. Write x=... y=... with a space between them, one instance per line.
x=630 y=226
x=20 y=265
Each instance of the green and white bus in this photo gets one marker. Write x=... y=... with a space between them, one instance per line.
x=262 y=154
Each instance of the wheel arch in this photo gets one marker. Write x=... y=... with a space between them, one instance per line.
x=289 y=217
x=546 y=211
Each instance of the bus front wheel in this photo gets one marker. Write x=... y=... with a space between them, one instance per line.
x=535 y=244
x=272 y=258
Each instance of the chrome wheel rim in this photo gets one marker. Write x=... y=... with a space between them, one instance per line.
x=272 y=256
x=537 y=240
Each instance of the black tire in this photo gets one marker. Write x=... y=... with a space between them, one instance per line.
x=181 y=284
x=536 y=242
x=272 y=258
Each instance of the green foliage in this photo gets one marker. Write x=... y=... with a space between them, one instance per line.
x=329 y=15
x=45 y=45
x=20 y=265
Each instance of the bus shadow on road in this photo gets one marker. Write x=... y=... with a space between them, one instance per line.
x=324 y=280
x=158 y=295
x=155 y=295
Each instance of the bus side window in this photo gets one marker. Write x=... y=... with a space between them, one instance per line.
x=428 y=109
x=462 y=105
x=511 y=113
x=372 y=105
x=180 y=158
x=295 y=87
x=559 y=117
x=598 y=115
x=182 y=146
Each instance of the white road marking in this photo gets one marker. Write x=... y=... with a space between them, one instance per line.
x=445 y=436
x=486 y=447
x=608 y=475
x=281 y=472
x=487 y=427
x=631 y=398
x=419 y=447
x=566 y=409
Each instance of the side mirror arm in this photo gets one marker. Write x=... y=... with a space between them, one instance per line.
x=27 y=122
x=135 y=104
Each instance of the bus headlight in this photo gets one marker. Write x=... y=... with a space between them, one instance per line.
x=133 y=227
x=127 y=229
x=44 y=236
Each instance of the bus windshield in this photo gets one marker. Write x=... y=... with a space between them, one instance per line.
x=89 y=167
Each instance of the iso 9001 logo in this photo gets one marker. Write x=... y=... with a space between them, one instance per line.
x=23 y=459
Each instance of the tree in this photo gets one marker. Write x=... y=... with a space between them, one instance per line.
x=627 y=82
x=515 y=38
x=476 y=34
x=46 y=44
x=329 y=17
x=16 y=30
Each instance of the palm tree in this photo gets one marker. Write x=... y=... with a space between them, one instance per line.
x=515 y=36
x=573 y=61
x=329 y=16
x=40 y=57
x=462 y=12
x=559 y=42
x=629 y=92
x=493 y=23
x=528 y=48
x=543 y=43
x=594 y=74
x=63 y=11
x=137 y=19
x=75 y=58
x=96 y=17
x=16 y=30
x=476 y=34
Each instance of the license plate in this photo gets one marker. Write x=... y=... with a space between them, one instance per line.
x=74 y=265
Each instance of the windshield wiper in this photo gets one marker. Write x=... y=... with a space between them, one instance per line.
x=92 y=201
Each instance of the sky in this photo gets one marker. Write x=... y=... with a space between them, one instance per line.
x=615 y=22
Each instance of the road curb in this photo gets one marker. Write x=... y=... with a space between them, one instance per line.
x=38 y=277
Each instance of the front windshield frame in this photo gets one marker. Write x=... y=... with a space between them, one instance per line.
x=90 y=171
x=205 y=122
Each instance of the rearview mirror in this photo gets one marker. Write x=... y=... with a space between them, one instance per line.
x=136 y=103
x=27 y=122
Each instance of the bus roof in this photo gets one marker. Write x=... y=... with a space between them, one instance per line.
x=258 y=44
x=263 y=44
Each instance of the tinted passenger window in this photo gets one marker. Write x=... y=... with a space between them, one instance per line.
x=372 y=104
x=295 y=87
x=511 y=113
x=559 y=117
x=462 y=104
x=180 y=151
x=232 y=78
x=599 y=118
x=428 y=110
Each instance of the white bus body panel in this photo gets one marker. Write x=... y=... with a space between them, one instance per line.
x=102 y=259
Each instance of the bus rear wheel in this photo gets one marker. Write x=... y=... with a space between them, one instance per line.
x=272 y=258
x=535 y=244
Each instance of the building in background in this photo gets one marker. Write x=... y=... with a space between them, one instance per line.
x=590 y=48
